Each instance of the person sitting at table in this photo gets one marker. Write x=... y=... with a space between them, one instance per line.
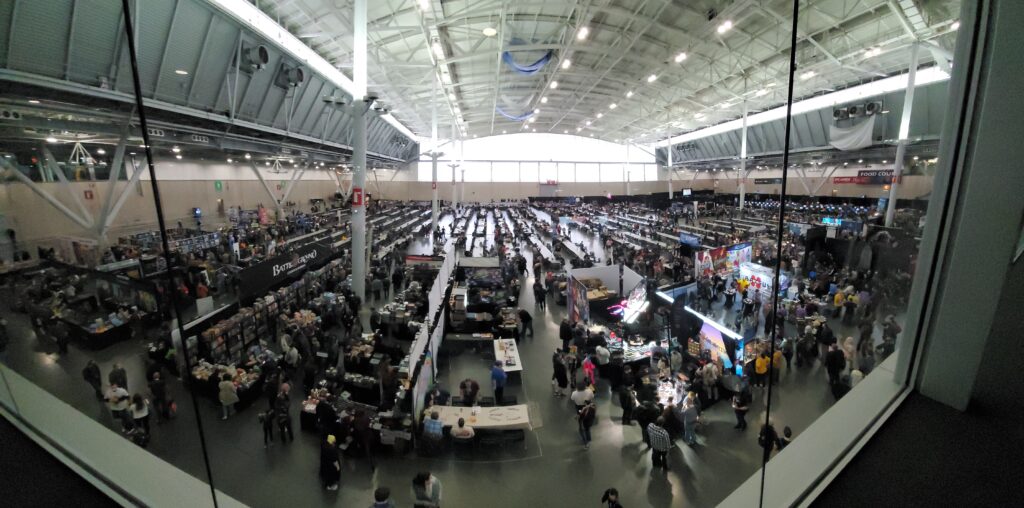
x=462 y=431
x=469 y=389
x=433 y=428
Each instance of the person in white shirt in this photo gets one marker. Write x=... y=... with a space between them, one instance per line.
x=581 y=396
x=462 y=431
x=603 y=355
x=118 y=401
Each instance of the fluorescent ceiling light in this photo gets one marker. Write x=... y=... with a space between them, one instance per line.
x=588 y=123
x=536 y=111
x=925 y=76
x=613 y=106
x=808 y=75
x=725 y=26
x=229 y=160
x=543 y=100
x=175 y=149
x=490 y=31
x=725 y=105
x=178 y=156
x=680 y=57
x=262 y=25
x=554 y=84
x=629 y=94
x=872 y=52
x=860 y=161
x=532 y=119
x=248 y=156
x=579 y=129
x=582 y=33
x=102 y=151
x=566 y=63
x=181 y=72
x=51 y=139
x=762 y=92
x=954 y=26
x=599 y=115
x=652 y=78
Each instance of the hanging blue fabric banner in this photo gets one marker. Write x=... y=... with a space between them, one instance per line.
x=528 y=69
x=519 y=118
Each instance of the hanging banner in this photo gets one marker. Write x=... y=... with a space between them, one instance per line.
x=576 y=296
x=357 y=196
x=762 y=278
x=853 y=137
x=739 y=254
x=258 y=279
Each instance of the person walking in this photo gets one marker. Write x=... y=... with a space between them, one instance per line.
x=691 y=414
x=565 y=334
x=586 y=418
x=660 y=443
x=498 y=380
x=768 y=439
x=627 y=400
x=158 y=390
x=118 y=401
x=91 y=374
x=611 y=497
x=527 y=321
x=382 y=498
x=118 y=376
x=266 y=420
x=560 y=376
x=835 y=362
x=284 y=419
x=139 y=410
x=426 y=491
x=330 y=463
x=228 y=395
x=740 y=406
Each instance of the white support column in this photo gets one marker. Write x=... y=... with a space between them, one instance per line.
x=270 y=193
x=901 y=144
x=462 y=187
x=670 y=169
x=743 y=158
x=116 y=166
x=628 y=172
x=359 y=111
x=296 y=176
x=433 y=156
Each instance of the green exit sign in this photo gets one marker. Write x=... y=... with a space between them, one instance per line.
x=218 y=185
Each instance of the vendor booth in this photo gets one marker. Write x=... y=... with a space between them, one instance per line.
x=603 y=287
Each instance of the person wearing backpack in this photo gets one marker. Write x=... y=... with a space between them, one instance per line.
x=586 y=417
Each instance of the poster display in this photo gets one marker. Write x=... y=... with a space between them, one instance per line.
x=723 y=260
x=762 y=278
x=579 y=307
x=259 y=278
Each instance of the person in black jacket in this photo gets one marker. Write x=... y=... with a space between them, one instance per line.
x=627 y=401
x=565 y=333
x=527 y=320
x=835 y=362
x=118 y=376
x=91 y=374
x=611 y=496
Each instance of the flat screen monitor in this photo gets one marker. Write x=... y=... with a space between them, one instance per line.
x=687 y=192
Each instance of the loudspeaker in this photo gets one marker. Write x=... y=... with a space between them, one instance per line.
x=840 y=114
x=872 y=108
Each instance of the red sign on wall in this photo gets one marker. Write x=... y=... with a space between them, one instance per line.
x=357 y=196
x=433 y=185
x=88 y=194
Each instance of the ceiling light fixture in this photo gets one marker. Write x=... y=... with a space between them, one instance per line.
x=613 y=106
x=725 y=26
x=181 y=72
x=699 y=116
x=247 y=157
x=178 y=156
x=175 y=149
x=532 y=119
x=554 y=84
x=543 y=100
x=566 y=63
x=599 y=115
x=582 y=33
x=51 y=139
x=490 y=31
x=808 y=75
x=102 y=151
x=954 y=26
x=588 y=123
x=680 y=57
x=536 y=111
x=451 y=96
x=504 y=132
x=760 y=93
x=425 y=5
x=229 y=160
x=579 y=129
x=860 y=161
x=885 y=161
x=629 y=94
x=872 y=52
x=33 y=101
x=652 y=78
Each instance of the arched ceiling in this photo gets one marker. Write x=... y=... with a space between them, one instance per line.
x=627 y=41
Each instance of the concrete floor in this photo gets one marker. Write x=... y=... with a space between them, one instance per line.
x=553 y=470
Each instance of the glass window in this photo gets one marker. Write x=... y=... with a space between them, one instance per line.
x=548 y=172
x=651 y=172
x=566 y=172
x=478 y=171
x=586 y=172
x=611 y=173
x=505 y=172
x=528 y=172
